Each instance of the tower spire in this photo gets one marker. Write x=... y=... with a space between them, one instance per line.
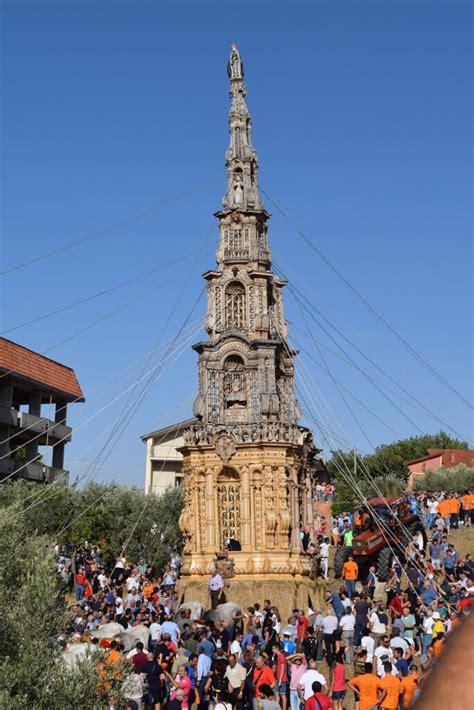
x=241 y=158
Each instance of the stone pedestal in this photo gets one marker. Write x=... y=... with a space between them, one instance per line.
x=286 y=592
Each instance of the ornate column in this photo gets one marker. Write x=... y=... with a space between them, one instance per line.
x=309 y=502
x=284 y=514
x=211 y=521
x=246 y=509
x=294 y=511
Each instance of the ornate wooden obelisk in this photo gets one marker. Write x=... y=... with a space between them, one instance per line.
x=248 y=466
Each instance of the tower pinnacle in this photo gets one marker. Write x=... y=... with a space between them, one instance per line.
x=241 y=158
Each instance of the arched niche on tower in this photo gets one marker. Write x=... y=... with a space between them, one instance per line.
x=228 y=491
x=235 y=305
x=235 y=388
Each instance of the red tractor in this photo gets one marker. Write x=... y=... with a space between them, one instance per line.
x=372 y=543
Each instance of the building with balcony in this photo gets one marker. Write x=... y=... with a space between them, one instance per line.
x=163 y=466
x=34 y=395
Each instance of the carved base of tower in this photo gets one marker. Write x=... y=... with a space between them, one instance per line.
x=257 y=494
x=285 y=591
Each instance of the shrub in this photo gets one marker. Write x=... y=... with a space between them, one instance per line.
x=458 y=479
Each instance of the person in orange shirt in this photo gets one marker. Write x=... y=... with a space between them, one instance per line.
x=148 y=590
x=367 y=688
x=350 y=571
x=262 y=675
x=444 y=511
x=438 y=644
x=409 y=685
x=114 y=656
x=391 y=689
x=454 y=508
x=468 y=508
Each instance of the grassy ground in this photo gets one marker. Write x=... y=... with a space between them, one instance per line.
x=463 y=541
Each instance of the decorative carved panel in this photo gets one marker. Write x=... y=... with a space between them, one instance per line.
x=228 y=506
x=235 y=305
x=213 y=397
x=218 y=306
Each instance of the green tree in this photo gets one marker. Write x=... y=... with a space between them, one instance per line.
x=385 y=469
x=459 y=478
x=118 y=515
x=32 y=617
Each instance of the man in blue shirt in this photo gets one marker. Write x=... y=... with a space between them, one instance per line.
x=449 y=561
x=371 y=582
x=428 y=594
x=288 y=646
x=337 y=604
x=400 y=663
x=206 y=645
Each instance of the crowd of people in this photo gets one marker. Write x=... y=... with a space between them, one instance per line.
x=375 y=642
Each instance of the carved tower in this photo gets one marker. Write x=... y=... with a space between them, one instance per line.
x=249 y=468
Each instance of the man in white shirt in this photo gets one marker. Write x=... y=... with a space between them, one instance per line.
x=305 y=686
x=216 y=589
x=368 y=643
x=236 y=676
x=347 y=625
x=102 y=579
x=155 y=635
x=427 y=631
x=132 y=581
x=399 y=642
x=235 y=647
x=378 y=628
x=118 y=606
x=382 y=653
x=329 y=628
x=324 y=555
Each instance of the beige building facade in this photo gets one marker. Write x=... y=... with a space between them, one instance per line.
x=164 y=461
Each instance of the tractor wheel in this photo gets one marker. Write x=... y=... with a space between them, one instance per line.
x=342 y=553
x=384 y=564
x=418 y=534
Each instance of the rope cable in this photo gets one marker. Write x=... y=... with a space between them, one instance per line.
x=111 y=228
x=367 y=305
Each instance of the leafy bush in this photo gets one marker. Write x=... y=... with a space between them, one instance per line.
x=459 y=478
x=32 y=616
x=147 y=524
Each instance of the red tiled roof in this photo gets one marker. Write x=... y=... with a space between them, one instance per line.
x=41 y=370
x=449 y=457
x=423 y=458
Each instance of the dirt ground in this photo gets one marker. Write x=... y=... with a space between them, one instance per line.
x=463 y=541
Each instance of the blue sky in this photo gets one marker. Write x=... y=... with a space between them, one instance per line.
x=362 y=121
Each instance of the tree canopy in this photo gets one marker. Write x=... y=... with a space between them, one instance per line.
x=118 y=515
x=385 y=468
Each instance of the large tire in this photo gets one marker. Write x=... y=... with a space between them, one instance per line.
x=417 y=531
x=384 y=564
x=341 y=555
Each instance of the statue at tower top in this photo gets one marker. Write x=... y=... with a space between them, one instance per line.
x=235 y=68
x=241 y=158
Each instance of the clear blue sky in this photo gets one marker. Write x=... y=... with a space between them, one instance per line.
x=362 y=121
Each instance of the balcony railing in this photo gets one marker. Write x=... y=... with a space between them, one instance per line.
x=40 y=425
x=33 y=471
